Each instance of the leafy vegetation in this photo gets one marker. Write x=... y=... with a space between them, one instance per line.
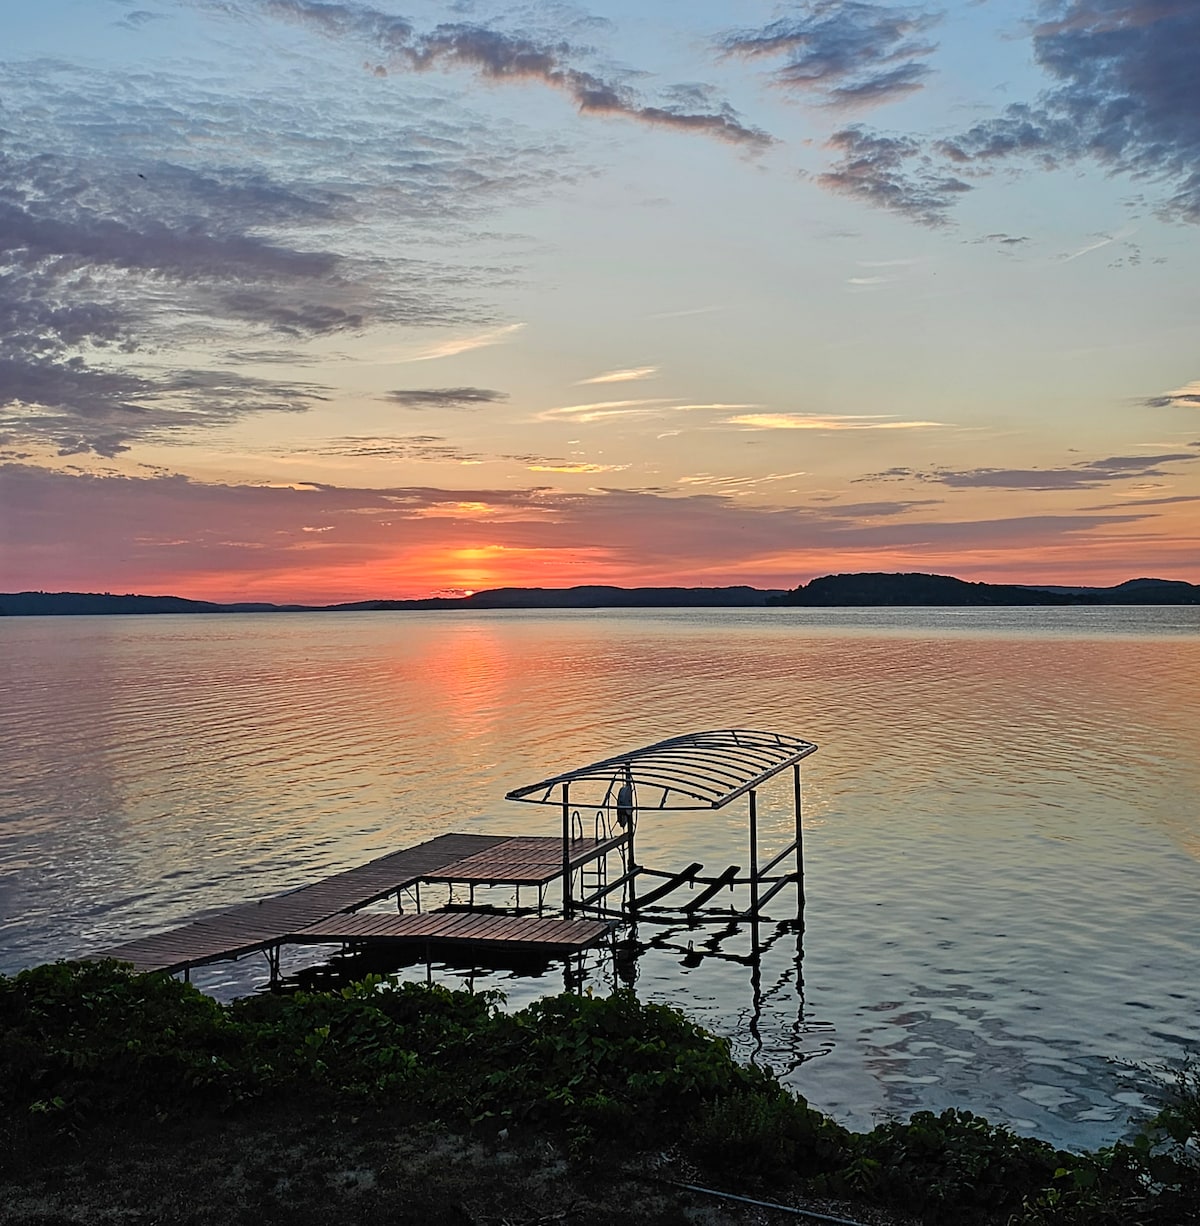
x=605 y=1079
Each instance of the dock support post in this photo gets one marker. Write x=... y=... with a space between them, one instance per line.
x=754 y=853
x=566 y=854
x=799 y=842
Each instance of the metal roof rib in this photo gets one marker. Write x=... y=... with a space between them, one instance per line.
x=708 y=768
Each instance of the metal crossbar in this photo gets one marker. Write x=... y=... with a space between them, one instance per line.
x=699 y=770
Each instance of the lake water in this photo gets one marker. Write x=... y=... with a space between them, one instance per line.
x=1002 y=821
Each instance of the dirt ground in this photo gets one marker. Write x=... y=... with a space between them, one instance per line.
x=344 y=1171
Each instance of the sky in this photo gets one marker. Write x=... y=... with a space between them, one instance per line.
x=318 y=300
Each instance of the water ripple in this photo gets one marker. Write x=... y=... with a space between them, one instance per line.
x=1001 y=824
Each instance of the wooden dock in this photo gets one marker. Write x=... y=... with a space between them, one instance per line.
x=325 y=911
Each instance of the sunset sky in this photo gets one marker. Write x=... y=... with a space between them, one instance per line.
x=318 y=300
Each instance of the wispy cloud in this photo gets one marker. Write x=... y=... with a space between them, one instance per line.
x=686 y=311
x=1102 y=240
x=602 y=409
x=445 y=397
x=1186 y=397
x=891 y=172
x=1087 y=474
x=627 y=375
x=421 y=448
x=576 y=467
x=464 y=344
x=122 y=255
x=500 y=56
x=815 y=421
x=846 y=53
x=720 y=481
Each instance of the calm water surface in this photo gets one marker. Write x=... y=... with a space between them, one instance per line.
x=1002 y=822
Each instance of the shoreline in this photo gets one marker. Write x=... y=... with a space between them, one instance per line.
x=138 y=1091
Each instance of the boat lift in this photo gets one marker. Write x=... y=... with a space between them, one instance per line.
x=696 y=771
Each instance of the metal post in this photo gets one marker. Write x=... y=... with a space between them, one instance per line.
x=566 y=856
x=631 y=888
x=754 y=853
x=799 y=840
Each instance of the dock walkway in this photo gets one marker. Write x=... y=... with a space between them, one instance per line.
x=324 y=911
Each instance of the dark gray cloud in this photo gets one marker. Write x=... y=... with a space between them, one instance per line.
x=445 y=397
x=1126 y=93
x=845 y=52
x=1088 y=474
x=1182 y=398
x=88 y=417
x=501 y=56
x=1003 y=241
x=891 y=172
x=142 y=219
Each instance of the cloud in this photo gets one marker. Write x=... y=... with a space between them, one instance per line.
x=422 y=448
x=509 y=57
x=622 y=376
x=847 y=53
x=1088 y=474
x=1126 y=94
x=1145 y=502
x=465 y=344
x=570 y=467
x=686 y=311
x=1100 y=241
x=1003 y=240
x=126 y=257
x=445 y=397
x=166 y=533
x=813 y=421
x=1187 y=397
x=603 y=409
x=891 y=172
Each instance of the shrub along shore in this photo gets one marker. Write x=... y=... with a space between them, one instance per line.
x=128 y=1097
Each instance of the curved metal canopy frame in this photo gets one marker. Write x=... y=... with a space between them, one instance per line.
x=699 y=770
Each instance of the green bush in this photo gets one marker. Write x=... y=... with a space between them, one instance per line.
x=949 y=1165
x=79 y=1039
x=608 y=1077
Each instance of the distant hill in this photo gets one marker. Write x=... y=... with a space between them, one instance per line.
x=604 y=597
x=34 y=604
x=593 y=596
x=1137 y=591
x=829 y=591
x=878 y=589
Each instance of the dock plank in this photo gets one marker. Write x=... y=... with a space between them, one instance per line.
x=458 y=928
x=522 y=860
x=247 y=927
